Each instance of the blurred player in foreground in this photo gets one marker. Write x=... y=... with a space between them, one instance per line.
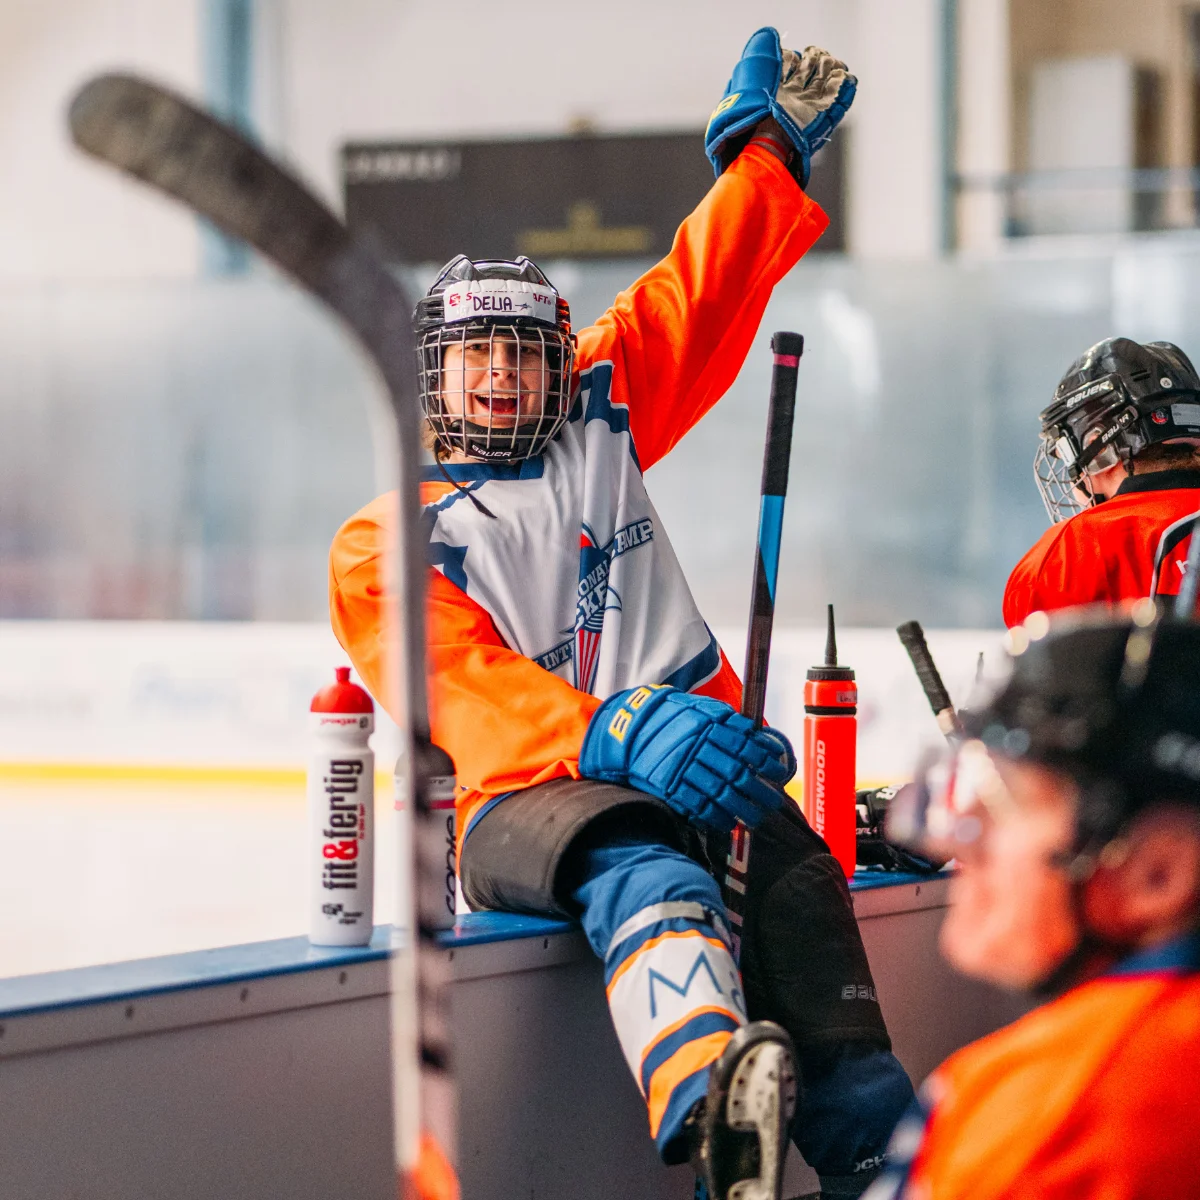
x=1075 y=820
x=1118 y=467
x=591 y=715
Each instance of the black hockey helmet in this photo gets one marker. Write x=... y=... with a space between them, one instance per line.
x=1111 y=702
x=496 y=313
x=1114 y=401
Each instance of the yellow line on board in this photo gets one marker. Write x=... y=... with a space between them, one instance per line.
x=86 y=772
x=205 y=774
x=202 y=775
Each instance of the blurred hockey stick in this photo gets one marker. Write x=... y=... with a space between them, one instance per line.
x=162 y=139
x=913 y=637
x=781 y=415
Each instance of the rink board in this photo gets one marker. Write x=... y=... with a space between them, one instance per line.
x=261 y=1070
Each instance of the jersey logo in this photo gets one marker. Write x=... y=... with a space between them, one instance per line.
x=1170 y=558
x=593 y=598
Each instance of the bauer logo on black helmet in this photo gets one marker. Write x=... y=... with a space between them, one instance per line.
x=1107 y=409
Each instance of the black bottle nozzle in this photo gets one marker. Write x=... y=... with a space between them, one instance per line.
x=829 y=669
x=831 y=642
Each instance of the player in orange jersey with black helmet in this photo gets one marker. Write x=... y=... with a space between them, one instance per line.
x=1118 y=467
x=1074 y=816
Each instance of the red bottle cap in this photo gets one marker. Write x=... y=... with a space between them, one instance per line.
x=342 y=697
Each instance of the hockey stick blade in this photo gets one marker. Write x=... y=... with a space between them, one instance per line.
x=157 y=136
x=153 y=134
x=913 y=637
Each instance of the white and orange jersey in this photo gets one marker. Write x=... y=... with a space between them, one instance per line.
x=572 y=590
x=574 y=567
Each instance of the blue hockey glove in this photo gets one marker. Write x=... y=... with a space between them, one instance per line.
x=706 y=761
x=808 y=94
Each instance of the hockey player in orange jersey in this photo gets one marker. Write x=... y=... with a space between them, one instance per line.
x=590 y=713
x=1075 y=820
x=1118 y=467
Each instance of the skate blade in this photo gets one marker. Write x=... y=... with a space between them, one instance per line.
x=762 y=1100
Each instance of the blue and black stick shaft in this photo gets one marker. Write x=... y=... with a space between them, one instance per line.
x=781 y=415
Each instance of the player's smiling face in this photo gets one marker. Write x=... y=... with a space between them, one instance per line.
x=495 y=381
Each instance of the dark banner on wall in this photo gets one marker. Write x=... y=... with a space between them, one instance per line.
x=589 y=197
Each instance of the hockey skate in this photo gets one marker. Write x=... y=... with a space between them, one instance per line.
x=739 y=1133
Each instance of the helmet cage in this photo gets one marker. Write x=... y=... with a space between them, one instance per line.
x=514 y=306
x=1087 y=431
x=487 y=435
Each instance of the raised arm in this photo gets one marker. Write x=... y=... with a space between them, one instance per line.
x=678 y=337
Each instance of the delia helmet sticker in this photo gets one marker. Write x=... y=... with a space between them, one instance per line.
x=511 y=298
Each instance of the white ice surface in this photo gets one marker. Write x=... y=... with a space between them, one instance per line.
x=102 y=873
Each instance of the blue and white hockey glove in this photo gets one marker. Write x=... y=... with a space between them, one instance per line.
x=808 y=94
x=706 y=761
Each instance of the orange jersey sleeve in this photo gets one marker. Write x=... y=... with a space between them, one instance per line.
x=678 y=337
x=1091 y=1097
x=505 y=721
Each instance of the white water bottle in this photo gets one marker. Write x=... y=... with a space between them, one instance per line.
x=341 y=815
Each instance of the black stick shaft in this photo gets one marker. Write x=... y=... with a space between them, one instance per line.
x=913 y=637
x=787 y=349
x=781 y=414
x=164 y=140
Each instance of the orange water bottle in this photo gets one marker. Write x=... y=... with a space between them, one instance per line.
x=830 y=744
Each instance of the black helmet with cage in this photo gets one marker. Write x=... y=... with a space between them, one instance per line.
x=1114 y=401
x=494 y=359
x=1112 y=703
